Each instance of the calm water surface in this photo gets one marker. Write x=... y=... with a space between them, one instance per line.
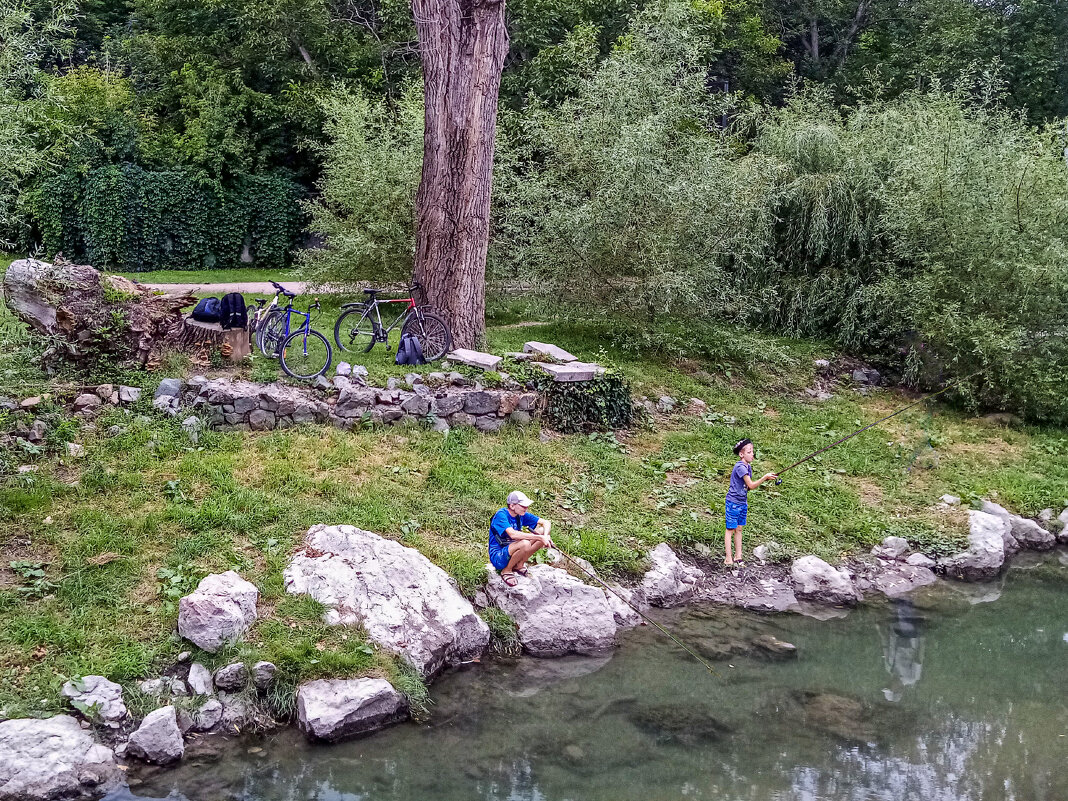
x=957 y=694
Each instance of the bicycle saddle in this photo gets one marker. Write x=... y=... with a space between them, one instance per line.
x=371 y=292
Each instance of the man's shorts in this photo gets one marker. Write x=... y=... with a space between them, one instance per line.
x=499 y=557
x=736 y=514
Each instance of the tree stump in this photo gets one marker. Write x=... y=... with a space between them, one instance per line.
x=90 y=316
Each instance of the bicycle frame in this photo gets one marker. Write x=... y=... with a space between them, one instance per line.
x=289 y=312
x=381 y=333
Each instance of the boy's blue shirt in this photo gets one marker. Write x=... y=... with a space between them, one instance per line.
x=503 y=520
x=739 y=492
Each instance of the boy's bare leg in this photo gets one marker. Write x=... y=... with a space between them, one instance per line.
x=523 y=550
x=738 y=544
x=727 y=546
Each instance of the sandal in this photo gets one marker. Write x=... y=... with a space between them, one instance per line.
x=522 y=571
x=509 y=579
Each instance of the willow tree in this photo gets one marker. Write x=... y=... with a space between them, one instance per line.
x=462 y=44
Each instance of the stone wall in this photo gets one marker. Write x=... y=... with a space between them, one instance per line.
x=262 y=407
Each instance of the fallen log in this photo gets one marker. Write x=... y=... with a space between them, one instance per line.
x=90 y=316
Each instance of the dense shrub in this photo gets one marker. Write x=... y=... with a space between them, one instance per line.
x=123 y=217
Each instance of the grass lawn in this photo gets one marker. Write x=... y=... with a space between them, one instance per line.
x=96 y=551
x=238 y=275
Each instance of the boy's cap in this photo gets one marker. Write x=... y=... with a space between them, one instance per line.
x=742 y=444
x=518 y=497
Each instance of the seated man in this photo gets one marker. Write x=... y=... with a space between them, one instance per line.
x=509 y=546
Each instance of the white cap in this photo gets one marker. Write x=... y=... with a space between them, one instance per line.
x=518 y=497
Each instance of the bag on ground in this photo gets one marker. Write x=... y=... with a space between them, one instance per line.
x=232 y=311
x=207 y=310
x=410 y=350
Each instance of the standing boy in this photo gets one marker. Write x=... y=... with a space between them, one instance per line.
x=509 y=546
x=738 y=498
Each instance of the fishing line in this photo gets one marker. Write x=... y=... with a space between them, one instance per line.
x=637 y=611
x=924 y=399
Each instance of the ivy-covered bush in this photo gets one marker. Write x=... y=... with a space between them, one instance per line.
x=124 y=217
x=585 y=406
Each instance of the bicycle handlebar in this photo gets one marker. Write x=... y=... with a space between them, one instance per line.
x=282 y=290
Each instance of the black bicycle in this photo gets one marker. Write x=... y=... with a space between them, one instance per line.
x=360 y=325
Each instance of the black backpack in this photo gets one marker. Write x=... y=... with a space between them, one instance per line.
x=207 y=310
x=232 y=311
x=410 y=350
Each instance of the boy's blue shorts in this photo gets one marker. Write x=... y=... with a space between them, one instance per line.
x=499 y=557
x=736 y=514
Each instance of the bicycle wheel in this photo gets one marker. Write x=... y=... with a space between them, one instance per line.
x=305 y=355
x=271 y=333
x=433 y=333
x=353 y=331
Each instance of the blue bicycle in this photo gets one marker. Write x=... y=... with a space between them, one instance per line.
x=304 y=352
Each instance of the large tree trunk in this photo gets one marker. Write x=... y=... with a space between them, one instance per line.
x=463 y=44
x=89 y=315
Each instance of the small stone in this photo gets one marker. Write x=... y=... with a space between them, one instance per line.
x=441 y=425
x=261 y=420
x=341 y=381
x=950 y=500
x=359 y=370
x=104 y=391
x=343 y=369
x=200 y=679
x=263 y=675
x=129 y=394
x=458 y=380
x=821 y=363
x=167 y=404
x=97 y=698
x=520 y=417
x=38 y=431
x=666 y=404
x=158 y=739
x=29 y=403
x=192 y=427
x=920 y=560
x=892 y=548
x=231 y=678
x=323 y=383
x=411 y=379
x=209 y=715
x=169 y=387
x=87 y=402
x=696 y=406
x=392 y=383
x=75 y=450
x=185 y=656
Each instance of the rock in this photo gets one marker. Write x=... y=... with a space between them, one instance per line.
x=1030 y=534
x=458 y=380
x=440 y=425
x=208 y=716
x=520 y=418
x=621 y=601
x=263 y=675
x=696 y=406
x=261 y=420
x=160 y=687
x=158 y=739
x=86 y=402
x=816 y=580
x=552 y=351
x=169 y=387
x=359 y=370
x=129 y=394
x=199 y=680
x=416 y=406
x=192 y=428
x=867 y=375
x=992 y=508
x=46 y=760
x=473 y=358
x=555 y=613
x=166 y=404
x=821 y=363
x=488 y=423
x=38 y=431
x=771 y=647
x=340 y=382
x=406 y=603
x=30 y=403
x=1062 y=535
x=950 y=500
x=232 y=678
x=760 y=553
x=218 y=612
x=895 y=579
x=666 y=404
x=322 y=383
x=104 y=391
x=97 y=699
x=335 y=709
x=572 y=371
x=75 y=450
x=669 y=581
x=892 y=548
x=343 y=369
x=986 y=548
x=920 y=560
x=411 y=379
x=1045 y=517
x=476 y=403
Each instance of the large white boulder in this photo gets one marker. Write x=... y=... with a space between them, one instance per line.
x=335 y=709
x=406 y=603
x=816 y=580
x=158 y=739
x=986 y=548
x=219 y=611
x=669 y=581
x=97 y=698
x=53 y=759
x=1062 y=535
x=556 y=613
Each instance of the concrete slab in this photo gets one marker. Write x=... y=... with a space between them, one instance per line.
x=473 y=358
x=572 y=371
x=552 y=351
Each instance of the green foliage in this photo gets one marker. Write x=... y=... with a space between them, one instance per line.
x=583 y=406
x=504 y=633
x=123 y=217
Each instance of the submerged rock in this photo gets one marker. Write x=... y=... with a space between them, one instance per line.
x=771 y=647
x=43 y=760
x=681 y=724
x=986 y=548
x=816 y=580
x=555 y=612
x=218 y=612
x=669 y=581
x=158 y=739
x=406 y=603
x=336 y=709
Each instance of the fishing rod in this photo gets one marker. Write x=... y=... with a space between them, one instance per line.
x=637 y=611
x=924 y=399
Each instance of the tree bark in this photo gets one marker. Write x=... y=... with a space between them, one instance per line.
x=463 y=44
x=91 y=316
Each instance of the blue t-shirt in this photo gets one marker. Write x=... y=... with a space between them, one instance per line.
x=739 y=493
x=498 y=537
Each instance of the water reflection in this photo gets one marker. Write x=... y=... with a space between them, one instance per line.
x=650 y=724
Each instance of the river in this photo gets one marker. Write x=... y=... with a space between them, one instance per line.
x=956 y=694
